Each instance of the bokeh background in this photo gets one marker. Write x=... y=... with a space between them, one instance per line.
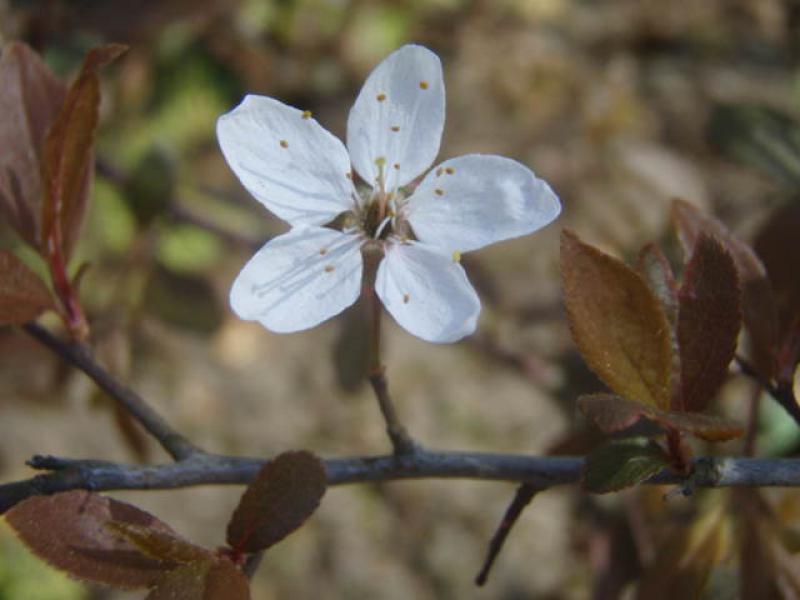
x=621 y=105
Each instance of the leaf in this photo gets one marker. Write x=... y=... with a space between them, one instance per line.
x=165 y=546
x=219 y=580
x=709 y=318
x=654 y=268
x=68 y=157
x=684 y=561
x=619 y=465
x=612 y=413
x=71 y=531
x=777 y=245
x=758 y=306
x=707 y=427
x=23 y=295
x=617 y=323
x=30 y=99
x=283 y=495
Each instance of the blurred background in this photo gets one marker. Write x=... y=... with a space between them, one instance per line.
x=620 y=104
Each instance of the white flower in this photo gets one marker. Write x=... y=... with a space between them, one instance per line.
x=303 y=174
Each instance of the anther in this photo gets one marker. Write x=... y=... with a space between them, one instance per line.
x=323 y=251
x=284 y=144
x=423 y=85
x=438 y=192
x=330 y=268
x=406 y=298
x=396 y=166
x=456 y=256
x=306 y=114
x=449 y=170
x=395 y=128
x=381 y=97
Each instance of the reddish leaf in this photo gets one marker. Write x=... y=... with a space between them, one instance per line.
x=23 y=296
x=219 y=580
x=777 y=244
x=165 y=546
x=283 y=495
x=709 y=318
x=758 y=305
x=30 y=98
x=707 y=427
x=654 y=268
x=68 y=159
x=617 y=323
x=71 y=532
x=612 y=413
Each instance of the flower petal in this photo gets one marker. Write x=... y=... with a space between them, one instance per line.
x=398 y=118
x=427 y=293
x=287 y=160
x=299 y=279
x=475 y=200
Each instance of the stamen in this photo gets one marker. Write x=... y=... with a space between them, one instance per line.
x=329 y=268
x=323 y=251
x=381 y=227
x=306 y=114
x=381 y=97
x=456 y=256
x=423 y=85
x=406 y=298
x=438 y=192
x=284 y=144
x=449 y=170
x=395 y=128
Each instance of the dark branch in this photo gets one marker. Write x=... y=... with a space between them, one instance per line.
x=539 y=472
x=401 y=440
x=79 y=356
x=781 y=393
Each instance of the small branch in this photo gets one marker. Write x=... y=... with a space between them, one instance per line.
x=525 y=493
x=539 y=472
x=782 y=394
x=79 y=356
x=401 y=441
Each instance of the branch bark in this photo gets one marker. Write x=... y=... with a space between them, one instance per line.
x=537 y=471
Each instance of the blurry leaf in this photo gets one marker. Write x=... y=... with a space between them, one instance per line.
x=150 y=188
x=188 y=249
x=187 y=301
x=23 y=295
x=760 y=136
x=283 y=495
x=71 y=532
x=709 y=318
x=685 y=560
x=219 y=580
x=758 y=305
x=619 y=465
x=617 y=323
x=778 y=245
x=68 y=157
x=708 y=427
x=611 y=413
x=30 y=98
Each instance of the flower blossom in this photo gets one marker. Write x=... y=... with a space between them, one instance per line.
x=304 y=175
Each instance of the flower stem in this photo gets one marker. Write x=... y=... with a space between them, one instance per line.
x=402 y=443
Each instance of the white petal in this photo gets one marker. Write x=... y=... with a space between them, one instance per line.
x=427 y=293
x=475 y=200
x=287 y=160
x=299 y=279
x=398 y=117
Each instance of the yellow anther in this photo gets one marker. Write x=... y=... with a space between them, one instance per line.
x=284 y=144
x=423 y=85
x=349 y=175
x=306 y=114
x=397 y=166
x=381 y=97
x=380 y=162
x=456 y=256
x=395 y=128
x=438 y=192
x=323 y=251
x=449 y=170
x=330 y=268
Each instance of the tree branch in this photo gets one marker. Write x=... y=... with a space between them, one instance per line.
x=538 y=472
x=79 y=356
x=782 y=394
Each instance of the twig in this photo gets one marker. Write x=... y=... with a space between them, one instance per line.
x=782 y=394
x=525 y=493
x=79 y=356
x=539 y=472
x=401 y=441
